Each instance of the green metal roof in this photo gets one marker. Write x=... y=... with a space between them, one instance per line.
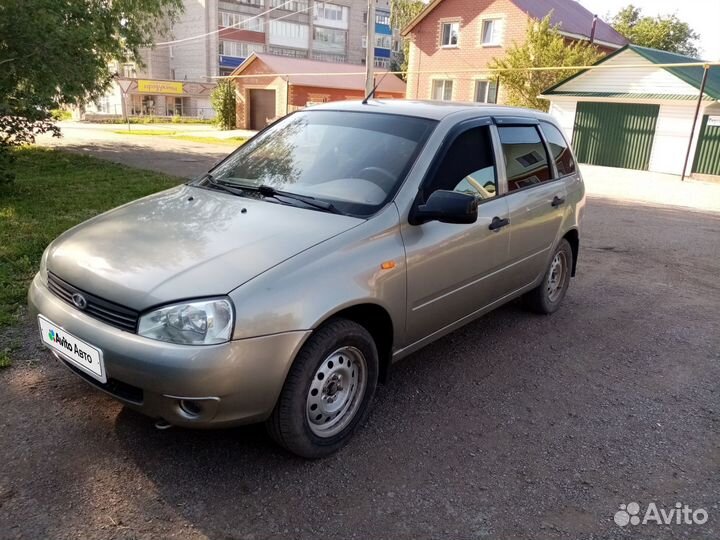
x=629 y=95
x=692 y=74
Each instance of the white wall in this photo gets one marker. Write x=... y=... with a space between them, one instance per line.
x=672 y=133
x=564 y=113
x=649 y=79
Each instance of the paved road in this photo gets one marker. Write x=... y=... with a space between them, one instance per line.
x=162 y=154
x=516 y=426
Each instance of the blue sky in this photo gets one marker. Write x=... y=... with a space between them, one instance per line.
x=702 y=15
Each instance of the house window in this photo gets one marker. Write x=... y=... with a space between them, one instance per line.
x=442 y=90
x=327 y=12
x=486 y=91
x=450 y=33
x=491 y=32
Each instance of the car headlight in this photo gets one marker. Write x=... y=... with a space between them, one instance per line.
x=201 y=322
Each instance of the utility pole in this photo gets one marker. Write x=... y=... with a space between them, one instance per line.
x=370 y=49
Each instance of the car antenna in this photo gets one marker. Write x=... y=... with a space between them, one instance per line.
x=372 y=92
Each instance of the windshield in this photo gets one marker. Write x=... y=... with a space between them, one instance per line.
x=354 y=160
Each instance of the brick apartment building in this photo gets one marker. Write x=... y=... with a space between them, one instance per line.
x=451 y=35
x=213 y=37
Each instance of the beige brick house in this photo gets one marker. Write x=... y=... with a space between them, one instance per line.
x=465 y=35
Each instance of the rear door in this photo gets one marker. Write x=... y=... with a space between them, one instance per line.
x=536 y=196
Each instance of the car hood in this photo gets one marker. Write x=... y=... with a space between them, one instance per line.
x=187 y=242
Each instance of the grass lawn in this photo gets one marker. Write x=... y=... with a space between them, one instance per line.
x=231 y=141
x=53 y=191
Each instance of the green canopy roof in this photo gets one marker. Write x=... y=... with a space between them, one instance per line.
x=692 y=74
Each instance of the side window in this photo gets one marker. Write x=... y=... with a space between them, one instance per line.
x=526 y=160
x=468 y=166
x=559 y=149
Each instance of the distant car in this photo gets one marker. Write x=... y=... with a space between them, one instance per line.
x=282 y=285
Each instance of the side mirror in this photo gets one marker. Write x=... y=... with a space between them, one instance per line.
x=447 y=207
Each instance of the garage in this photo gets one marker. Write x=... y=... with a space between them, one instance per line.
x=615 y=134
x=707 y=157
x=262 y=108
x=638 y=108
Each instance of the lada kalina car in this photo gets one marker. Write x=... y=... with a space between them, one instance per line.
x=281 y=286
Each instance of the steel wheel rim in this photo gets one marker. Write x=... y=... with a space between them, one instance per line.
x=556 y=276
x=336 y=391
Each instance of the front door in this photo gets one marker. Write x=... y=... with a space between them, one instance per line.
x=455 y=270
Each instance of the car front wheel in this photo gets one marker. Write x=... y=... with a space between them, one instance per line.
x=327 y=392
x=547 y=297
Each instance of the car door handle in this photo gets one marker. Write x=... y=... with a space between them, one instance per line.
x=496 y=224
x=557 y=201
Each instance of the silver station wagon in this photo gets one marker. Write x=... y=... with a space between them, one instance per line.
x=281 y=286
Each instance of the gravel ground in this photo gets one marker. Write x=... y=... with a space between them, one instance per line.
x=516 y=426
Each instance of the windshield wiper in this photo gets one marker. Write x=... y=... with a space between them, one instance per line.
x=269 y=191
x=223 y=186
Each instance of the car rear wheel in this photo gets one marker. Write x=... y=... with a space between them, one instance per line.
x=327 y=392
x=547 y=297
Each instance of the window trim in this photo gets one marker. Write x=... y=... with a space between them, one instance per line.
x=442 y=31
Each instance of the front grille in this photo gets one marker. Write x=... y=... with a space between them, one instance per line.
x=119 y=389
x=103 y=310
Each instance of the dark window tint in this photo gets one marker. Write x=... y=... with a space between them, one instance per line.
x=468 y=166
x=526 y=160
x=559 y=149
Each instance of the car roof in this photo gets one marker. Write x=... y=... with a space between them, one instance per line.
x=435 y=110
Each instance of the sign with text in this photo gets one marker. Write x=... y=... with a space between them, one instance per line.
x=160 y=87
x=713 y=121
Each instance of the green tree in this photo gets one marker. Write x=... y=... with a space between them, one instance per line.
x=401 y=13
x=223 y=103
x=544 y=46
x=55 y=53
x=665 y=32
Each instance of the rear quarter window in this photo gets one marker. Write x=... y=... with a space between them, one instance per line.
x=559 y=149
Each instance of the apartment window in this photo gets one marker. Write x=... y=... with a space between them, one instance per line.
x=252 y=2
x=239 y=49
x=491 y=32
x=450 y=33
x=326 y=57
x=329 y=39
x=295 y=5
x=382 y=18
x=382 y=62
x=442 y=90
x=238 y=20
x=383 y=41
x=294 y=53
x=288 y=29
x=486 y=91
x=330 y=12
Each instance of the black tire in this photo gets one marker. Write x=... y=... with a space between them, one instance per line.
x=289 y=424
x=540 y=300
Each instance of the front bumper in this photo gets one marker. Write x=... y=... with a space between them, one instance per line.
x=232 y=383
